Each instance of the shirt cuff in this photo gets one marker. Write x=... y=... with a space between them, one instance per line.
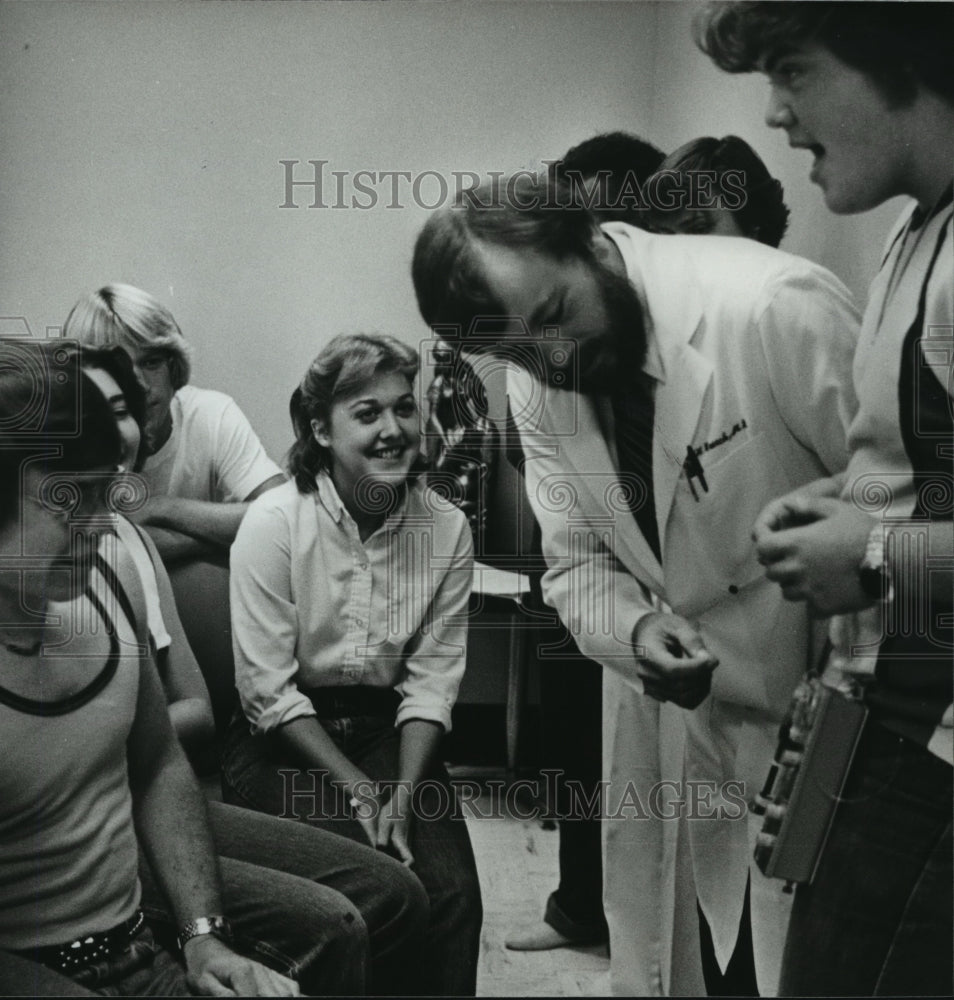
x=290 y=706
x=412 y=708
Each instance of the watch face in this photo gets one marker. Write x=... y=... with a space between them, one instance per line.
x=217 y=926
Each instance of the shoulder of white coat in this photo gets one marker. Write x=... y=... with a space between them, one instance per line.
x=895 y=231
x=790 y=279
x=522 y=388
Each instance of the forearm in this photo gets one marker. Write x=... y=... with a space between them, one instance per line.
x=601 y=604
x=175 y=546
x=170 y=815
x=210 y=522
x=830 y=486
x=420 y=740
x=171 y=821
x=310 y=746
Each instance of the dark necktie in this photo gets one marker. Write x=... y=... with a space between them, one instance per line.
x=633 y=413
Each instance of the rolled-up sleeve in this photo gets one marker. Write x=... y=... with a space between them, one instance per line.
x=264 y=620
x=241 y=463
x=435 y=656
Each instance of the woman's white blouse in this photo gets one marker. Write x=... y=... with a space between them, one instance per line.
x=314 y=606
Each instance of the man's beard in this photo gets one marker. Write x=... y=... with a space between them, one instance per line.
x=608 y=361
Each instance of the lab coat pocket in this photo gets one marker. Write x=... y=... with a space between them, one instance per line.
x=710 y=552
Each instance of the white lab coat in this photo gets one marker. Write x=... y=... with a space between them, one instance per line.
x=752 y=350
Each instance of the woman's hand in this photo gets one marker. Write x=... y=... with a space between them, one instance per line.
x=394 y=825
x=384 y=815
x=367 y=807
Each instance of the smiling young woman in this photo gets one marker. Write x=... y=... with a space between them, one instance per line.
x=349 y=592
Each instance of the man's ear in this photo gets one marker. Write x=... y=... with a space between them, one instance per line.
x=605 y=251
x=319 y=430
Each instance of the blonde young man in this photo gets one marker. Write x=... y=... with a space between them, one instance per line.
x=203 y=462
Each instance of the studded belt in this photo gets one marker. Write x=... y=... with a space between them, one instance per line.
x=73 y=956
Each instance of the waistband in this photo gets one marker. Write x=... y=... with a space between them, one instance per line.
x=358 y=699
x=73 y=956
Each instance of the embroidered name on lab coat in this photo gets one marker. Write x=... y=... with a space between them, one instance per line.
x=723 y=438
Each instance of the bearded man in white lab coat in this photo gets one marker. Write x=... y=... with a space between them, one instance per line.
x=665 y=388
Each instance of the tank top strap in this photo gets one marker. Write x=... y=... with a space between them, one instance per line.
x=63 y=706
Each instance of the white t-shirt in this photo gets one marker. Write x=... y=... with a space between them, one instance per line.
x=131 y=537
x=212 y=453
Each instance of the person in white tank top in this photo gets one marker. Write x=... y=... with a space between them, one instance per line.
x=90 y=768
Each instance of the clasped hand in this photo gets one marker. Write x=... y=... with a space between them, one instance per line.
x=812 y=547
x=386 y=818
x=672 y=660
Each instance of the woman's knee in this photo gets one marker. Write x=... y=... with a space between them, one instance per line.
x=454 y=894
x=405 y=898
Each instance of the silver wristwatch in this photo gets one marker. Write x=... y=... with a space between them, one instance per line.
x=873 y=573
x=216 y=925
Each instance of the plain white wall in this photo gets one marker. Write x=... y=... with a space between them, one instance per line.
x=141 y=142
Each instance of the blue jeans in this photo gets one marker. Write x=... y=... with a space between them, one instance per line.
x=444 y=860
x=19 y=977
x=310 y=906
x=877 y=920
x=146 y=968
x=300 y=901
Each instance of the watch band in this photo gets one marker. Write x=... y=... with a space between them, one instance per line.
x=873 y=572
x=215 y=925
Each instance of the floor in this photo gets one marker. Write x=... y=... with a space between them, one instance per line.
x=517 y=861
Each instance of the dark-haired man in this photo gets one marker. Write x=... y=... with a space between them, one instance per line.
x=91 y=776
x=868 y=89
x=609 y=170
x=667 y=387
